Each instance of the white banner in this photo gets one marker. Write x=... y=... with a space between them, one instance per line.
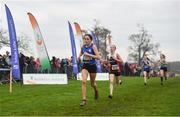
x=99 y=76
x=30 y=79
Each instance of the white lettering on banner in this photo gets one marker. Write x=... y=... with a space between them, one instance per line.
x=44 y=79
x=99 y=77
x=15 y=67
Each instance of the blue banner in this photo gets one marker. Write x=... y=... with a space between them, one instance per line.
x=94 y=38
x=98 y=64
x=73 y=48
x=13 y=45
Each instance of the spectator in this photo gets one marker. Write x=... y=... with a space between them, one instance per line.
x=37 y=66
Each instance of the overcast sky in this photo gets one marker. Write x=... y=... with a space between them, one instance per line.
x=160 y=17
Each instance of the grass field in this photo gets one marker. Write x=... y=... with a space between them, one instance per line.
x=130 y=98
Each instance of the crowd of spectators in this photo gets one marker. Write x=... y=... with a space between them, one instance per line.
x=29 y=64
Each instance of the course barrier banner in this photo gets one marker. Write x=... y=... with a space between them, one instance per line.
x=31 y=79
x=99 y=77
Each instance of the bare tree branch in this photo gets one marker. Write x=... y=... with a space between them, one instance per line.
x=141 y=45
x=22 y=40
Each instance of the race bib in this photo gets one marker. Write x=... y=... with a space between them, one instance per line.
x=114 y=67
x=146 y=67
x=164 y=65
x=87 y=58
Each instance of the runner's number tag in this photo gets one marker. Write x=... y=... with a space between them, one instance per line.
x=114 y=67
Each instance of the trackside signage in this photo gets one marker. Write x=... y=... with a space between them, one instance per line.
x=30 y=79
x=99 y=77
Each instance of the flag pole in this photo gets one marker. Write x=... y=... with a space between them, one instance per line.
x=10 y=83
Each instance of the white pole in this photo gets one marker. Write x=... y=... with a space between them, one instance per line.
x=10 y=83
